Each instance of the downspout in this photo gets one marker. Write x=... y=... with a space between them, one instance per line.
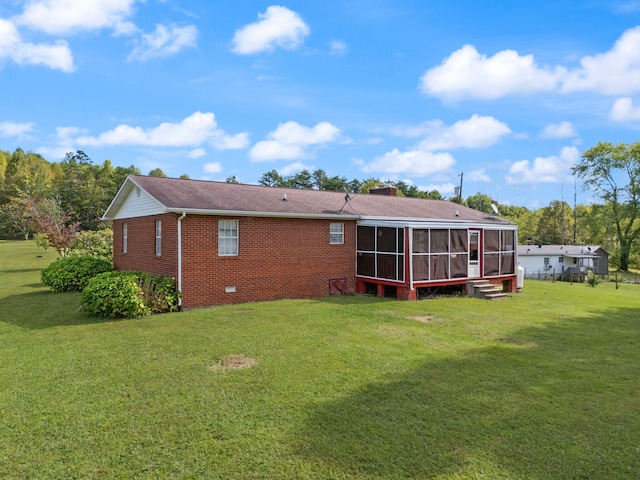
x=180 y=218
x=409 y=255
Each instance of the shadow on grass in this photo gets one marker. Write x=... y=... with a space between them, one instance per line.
x=43 y=309
x=554 y=402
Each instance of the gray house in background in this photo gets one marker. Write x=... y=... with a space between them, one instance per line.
x=542 y=261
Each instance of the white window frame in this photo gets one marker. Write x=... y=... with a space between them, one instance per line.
x=158 y=238
x=227 y=238
x=336 y=233
x=124 y=238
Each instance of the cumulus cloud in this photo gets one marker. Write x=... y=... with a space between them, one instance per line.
x=413 y=162
x=164 y=41
x=623 y=110
x=197 y=153
x=478 y=176
x=56 y=55
x=475 y=132
x=294 y=168
x=277 y=27
x=213 y=167
x=616 y=72
x=559 y=130
x=466 y=73
x=15 y=129
x=195 y=130
x=292 y=141
x=64 y=17
x=551 y=169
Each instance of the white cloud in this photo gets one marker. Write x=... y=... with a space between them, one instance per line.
x=277 y=27
x=197 y=153
x=64 y=17
x=294 y=168
x=559 y=130
x=195 y=130
x=15 y=129
x=55 y=55
x=414 y=163
x=292 y=141
x=544 y=169
x=478 y=176
x=337 y=47
x=231 y=142
x=468 y=74
x=213 y=167
x=623 y=110
x=164 y=41
x=616 y=72
x=443 y=188
x=476 y=132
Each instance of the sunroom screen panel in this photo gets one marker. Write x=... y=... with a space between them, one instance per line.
x=507 y=263
x=459 y=240
x=459 y=265
x=420 y=241
x=439 y=241
x=366 y=264
x=386 y=266
x=420 y=267
x=439 y=266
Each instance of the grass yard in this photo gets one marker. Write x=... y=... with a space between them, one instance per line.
x=543 y=385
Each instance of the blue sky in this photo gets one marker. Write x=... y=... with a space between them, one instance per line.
x=508 y=93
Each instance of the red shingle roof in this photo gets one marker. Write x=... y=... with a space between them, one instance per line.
x=215 y=197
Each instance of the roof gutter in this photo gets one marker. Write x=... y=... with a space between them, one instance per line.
x=245 y=213
x=180 y=218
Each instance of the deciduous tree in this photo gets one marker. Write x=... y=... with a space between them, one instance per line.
x=613 y=173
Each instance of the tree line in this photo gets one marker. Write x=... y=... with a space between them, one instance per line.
x=73 y=194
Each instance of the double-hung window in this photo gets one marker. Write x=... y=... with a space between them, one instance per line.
x=158 y=238
x=336 y=233
x=227 y=238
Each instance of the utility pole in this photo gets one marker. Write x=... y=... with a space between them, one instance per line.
x=575 y=211
x=460 y=189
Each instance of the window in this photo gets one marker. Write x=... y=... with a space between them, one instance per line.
x=560 y=259
x=124 y=238
x=158 y=238
x=227 y=238
x=380 y=252
x=499 y=252
x=336 y=233
x=440 y=253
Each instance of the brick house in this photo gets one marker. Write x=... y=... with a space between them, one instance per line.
x=232 y=243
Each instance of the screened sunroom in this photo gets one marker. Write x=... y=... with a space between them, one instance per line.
x=415 y=255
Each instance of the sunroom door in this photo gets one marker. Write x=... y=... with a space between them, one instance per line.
x=474 y=254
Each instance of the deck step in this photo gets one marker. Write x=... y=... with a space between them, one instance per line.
x=484 y=289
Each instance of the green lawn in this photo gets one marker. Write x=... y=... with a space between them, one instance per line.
x=543 y=385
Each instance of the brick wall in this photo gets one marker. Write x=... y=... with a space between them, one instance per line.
x=278 y=257
x=141 y=245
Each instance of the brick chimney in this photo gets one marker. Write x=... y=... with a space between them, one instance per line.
x=386 y=190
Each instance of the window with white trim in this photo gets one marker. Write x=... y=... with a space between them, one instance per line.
x=158 y=238
x=227 y=238
x=124 y=238
x=336 y=233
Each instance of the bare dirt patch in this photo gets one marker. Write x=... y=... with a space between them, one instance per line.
x=233 y=362
x=423 y=318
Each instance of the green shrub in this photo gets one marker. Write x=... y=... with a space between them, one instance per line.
x=592 y=279
x=129 y=294
x=93 y=244
x=114 y=294
x=72 y=274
